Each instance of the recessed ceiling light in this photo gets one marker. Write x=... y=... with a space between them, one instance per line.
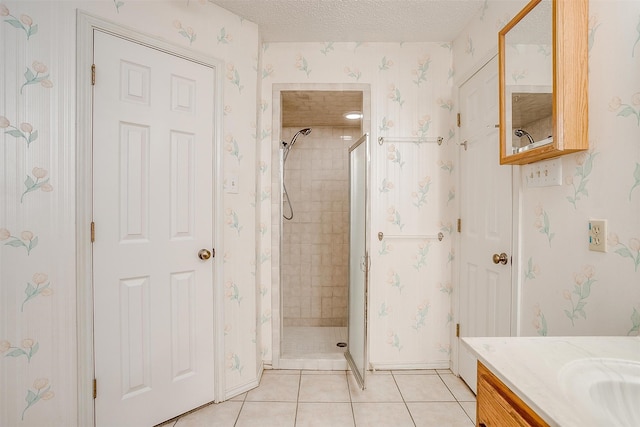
x=353 y=115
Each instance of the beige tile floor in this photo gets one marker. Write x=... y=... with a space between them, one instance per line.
x=332 y=398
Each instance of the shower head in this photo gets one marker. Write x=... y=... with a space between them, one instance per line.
x=289 y=146
x=521 y=132
x=305 y=132
x=285 y=153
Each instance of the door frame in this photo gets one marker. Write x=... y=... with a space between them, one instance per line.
x=86 y=24
x=276 y=224
x=516 y=234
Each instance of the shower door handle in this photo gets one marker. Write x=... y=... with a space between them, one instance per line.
x=365 y=264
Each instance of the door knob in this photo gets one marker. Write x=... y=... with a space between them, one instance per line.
x=204 y=254
x=500 y=259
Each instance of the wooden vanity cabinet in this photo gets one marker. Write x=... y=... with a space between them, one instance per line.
x=498 y=406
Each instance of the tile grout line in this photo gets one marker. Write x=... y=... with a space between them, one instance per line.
x=403 y=400
x=454 y=396
x=295 y=418
x=241 y=408
x=353 y=413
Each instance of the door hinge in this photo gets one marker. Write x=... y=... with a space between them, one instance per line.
x=457 y=329
x=458 y=120
x=95 y=388
x=459 y=225
x=93 y=74
x=93 y=231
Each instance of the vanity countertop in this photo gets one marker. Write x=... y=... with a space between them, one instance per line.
x=533 y=368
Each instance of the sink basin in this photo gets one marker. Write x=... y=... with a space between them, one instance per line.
x=609 y=389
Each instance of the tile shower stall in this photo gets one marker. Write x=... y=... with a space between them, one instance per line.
x=315 y=242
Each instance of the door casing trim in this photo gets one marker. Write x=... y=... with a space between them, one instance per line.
x=276 y=226
x=86 y=24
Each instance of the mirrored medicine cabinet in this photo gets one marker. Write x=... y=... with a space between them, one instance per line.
x=543 y=74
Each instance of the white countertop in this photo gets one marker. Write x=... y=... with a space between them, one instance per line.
x=530 y=367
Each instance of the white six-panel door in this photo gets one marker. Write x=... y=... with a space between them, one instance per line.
x=153 y=213
x=486 y=213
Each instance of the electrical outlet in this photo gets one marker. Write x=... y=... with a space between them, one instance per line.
x=598 y=235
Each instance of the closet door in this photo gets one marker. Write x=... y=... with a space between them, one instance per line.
x=153 y=263
x=359 y=164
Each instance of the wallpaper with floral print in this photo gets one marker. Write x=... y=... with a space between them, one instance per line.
x=565 y=288
x=38 y=345
x=412 y=186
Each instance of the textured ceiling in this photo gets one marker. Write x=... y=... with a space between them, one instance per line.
x=530 y=107
x=319 y=108
x=349 y=21
x=535 y=27
x=356 y=20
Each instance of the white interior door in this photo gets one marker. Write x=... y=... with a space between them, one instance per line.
x=153 y=213
x=486 y=213
x=359 y=165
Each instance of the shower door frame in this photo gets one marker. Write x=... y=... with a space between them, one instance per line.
x=359 y=372
x=277 y=225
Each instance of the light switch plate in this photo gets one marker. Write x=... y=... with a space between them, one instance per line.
x=231 y=184
x=598 y=235
x=544 y=174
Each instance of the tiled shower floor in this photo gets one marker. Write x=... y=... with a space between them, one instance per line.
x=313 y=342
x=313 y=348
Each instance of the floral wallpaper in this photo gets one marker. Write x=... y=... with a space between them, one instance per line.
x=38 y=345
x=565 y=288
x=412 y=186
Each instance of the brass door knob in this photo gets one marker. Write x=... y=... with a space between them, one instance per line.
x=500 y=259
x=204 y=254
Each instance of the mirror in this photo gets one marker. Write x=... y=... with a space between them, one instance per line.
x=530 y=123
x=528 y=47
x=542 y=60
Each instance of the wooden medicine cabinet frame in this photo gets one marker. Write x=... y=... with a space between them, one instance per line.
x=570 y=54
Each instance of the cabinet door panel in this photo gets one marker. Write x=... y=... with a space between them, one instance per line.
x=521 y=53
x=498 y=406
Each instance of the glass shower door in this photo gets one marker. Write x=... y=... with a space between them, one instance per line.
x=356 y=353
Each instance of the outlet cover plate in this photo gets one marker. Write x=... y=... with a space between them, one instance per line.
x=598 y=235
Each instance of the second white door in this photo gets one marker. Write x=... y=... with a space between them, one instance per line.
x=486 y=214
x=153 y=213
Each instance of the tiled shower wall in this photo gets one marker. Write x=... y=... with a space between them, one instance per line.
x=315 y=246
